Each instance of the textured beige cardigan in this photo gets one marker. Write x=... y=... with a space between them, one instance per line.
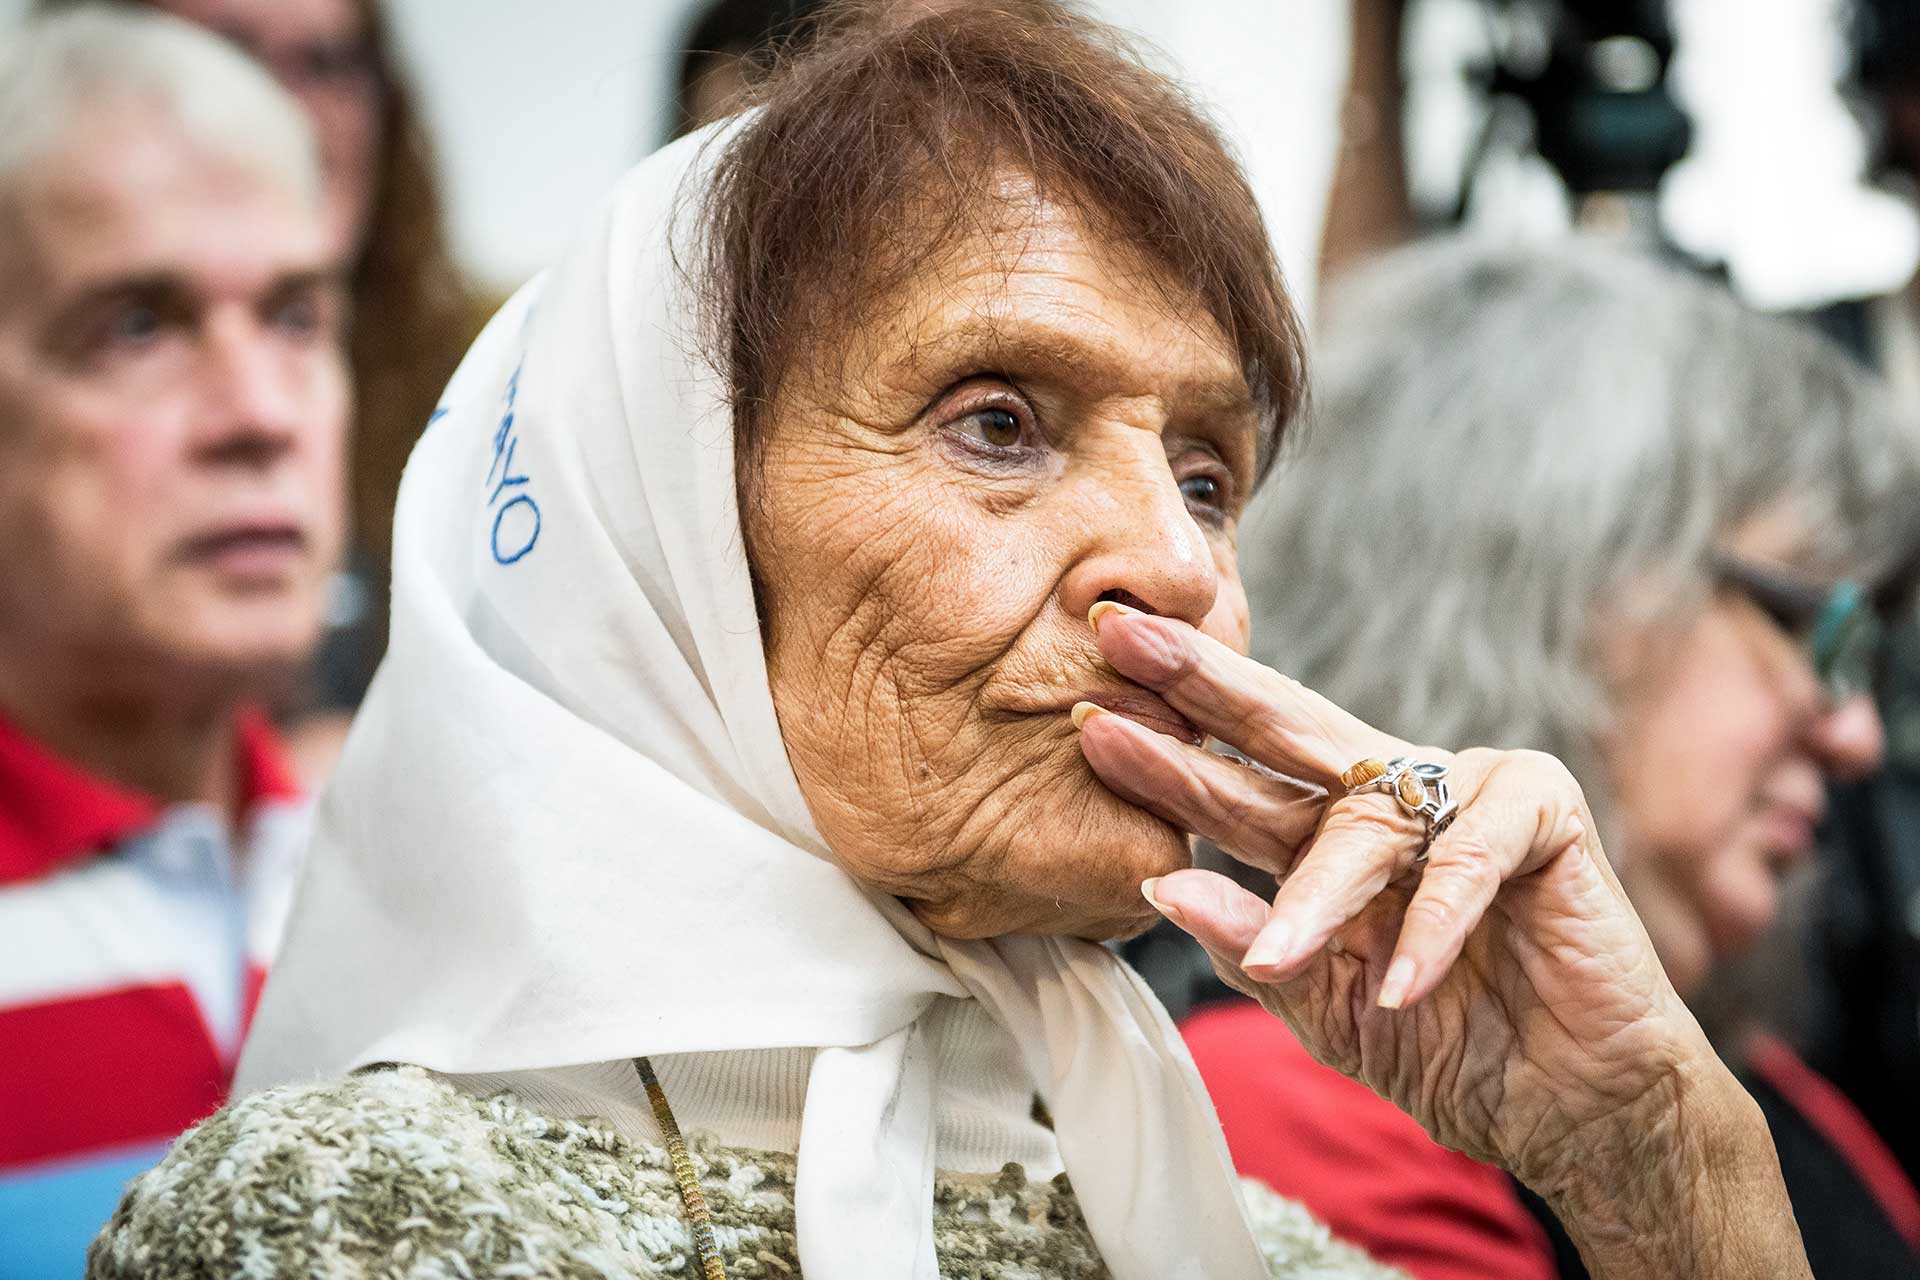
x=395 y=1173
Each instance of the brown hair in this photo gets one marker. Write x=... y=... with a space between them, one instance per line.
x=415 y=313
x=821 y=202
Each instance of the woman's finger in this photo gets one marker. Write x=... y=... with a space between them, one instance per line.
x=1463 y=874
x=1260 y=819
x=1221 y=916
x=1524 y=813
x=1269 y=717
x=1364 y=842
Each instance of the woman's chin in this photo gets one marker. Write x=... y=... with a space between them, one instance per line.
x=1090 y=891
x=1041 y=920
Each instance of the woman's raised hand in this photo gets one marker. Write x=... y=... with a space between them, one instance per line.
x=1503 y=994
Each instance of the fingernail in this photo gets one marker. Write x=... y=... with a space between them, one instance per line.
x=1101 y=608
x=1082 y=710
x=1146 y=891
x=1270 y=949
x=1393 y=988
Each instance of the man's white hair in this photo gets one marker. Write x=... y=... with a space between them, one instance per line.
x=60 y=69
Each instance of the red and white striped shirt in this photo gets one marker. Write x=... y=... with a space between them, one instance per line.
x=133 y=941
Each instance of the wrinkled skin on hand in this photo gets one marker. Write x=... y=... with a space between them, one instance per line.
x=1536 y=1028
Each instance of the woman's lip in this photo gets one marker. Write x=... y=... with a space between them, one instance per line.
x=1146 y=710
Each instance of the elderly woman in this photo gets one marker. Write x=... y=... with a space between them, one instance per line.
x=1651 y=533
x=809 y=607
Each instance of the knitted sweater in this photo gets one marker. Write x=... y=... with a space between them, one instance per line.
x=394 y=1173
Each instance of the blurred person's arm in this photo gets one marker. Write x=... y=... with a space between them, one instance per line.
x=1369 y=210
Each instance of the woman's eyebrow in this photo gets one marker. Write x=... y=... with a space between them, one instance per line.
x=1040 y=349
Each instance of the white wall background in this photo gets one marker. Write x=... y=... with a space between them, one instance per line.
x=539 y=104
x=1772 y=184
x=537 y=107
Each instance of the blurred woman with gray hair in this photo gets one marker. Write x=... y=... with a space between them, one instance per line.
x=1593 y=507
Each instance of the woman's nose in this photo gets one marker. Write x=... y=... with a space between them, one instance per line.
x=1849 y=738
x=1142 y=546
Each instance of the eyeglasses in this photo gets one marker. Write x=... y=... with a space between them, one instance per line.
x=341 y=67
x=1838 y=625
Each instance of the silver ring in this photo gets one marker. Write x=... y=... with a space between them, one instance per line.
x=1439 y=812
x=1421 y=788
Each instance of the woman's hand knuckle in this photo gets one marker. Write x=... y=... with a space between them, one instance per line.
x=1479 y=759
x=1545 y=770
x=1192 y=784
x=1266 y=725
x=1571 y=830
x=1254 y=828
x=1369 y=825
x=1471 y=849
x=1218 y=799
x=1433 y=912
x=1178 y=655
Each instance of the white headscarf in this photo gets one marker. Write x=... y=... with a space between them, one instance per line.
x=565 y=830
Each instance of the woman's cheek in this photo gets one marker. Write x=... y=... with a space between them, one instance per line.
x=1230 y=620
x=967 y=570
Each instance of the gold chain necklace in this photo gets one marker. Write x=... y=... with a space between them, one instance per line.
x=699 y=1218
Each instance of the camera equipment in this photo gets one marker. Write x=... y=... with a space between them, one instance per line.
x=1592 y=77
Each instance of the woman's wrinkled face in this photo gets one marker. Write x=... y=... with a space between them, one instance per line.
x=1720 y=762
x=1025 y=428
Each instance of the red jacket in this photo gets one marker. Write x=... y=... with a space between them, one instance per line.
x=1360 y=1164
x=1380 y=1182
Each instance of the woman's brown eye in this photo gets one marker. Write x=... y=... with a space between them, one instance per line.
x=998 y=427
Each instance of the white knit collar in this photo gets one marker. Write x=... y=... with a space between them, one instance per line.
x=752 y=1099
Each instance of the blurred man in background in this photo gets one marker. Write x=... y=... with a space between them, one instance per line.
x=414 y=309
x=173 y=402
